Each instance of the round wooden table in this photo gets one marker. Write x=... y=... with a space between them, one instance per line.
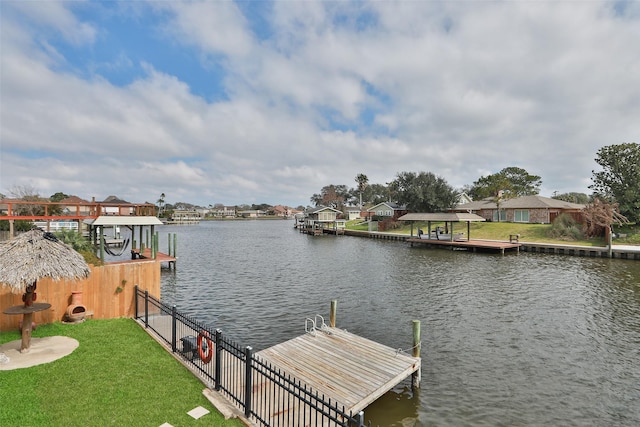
x=33 y=308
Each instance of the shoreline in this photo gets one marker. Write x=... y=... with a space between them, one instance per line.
x=630 y=252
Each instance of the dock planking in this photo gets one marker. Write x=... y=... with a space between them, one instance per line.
x=350 y=370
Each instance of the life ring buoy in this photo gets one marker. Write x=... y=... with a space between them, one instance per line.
x=206 y=352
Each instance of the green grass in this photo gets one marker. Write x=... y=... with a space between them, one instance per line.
x=118 y=376
x=528 y=232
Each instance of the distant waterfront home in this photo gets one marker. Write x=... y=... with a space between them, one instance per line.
x=227 y=211
x=252 y=213
x=322 y=214
x=529 y=209
x=388 y=210
x=185 y=216
x=284 y=211
x=352 y=212
x=76 y=206
x=464 y=198
x=323 y=217
x=113 y=205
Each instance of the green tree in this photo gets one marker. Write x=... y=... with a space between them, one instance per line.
x=161 y=205
x=377 y=193
x=58 y=197
x=332 y=196
x=579 y=198
x=619 y=181
x=423 y=192
x=363 y=182
x=56 y=209
x=511 y=181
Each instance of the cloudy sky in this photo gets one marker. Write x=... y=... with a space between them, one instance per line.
x=268 y=102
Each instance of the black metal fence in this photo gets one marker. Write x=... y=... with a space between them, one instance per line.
x=235 y=371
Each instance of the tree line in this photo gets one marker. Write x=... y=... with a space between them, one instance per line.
x=617 y=185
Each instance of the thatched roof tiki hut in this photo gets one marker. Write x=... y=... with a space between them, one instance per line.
x=31 y=256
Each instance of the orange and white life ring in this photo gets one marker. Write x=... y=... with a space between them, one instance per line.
x=206 y=352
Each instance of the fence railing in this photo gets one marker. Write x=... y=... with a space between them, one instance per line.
x=233 y=370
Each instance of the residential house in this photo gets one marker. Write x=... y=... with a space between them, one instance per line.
x=252 y=213
x=323 y=217
x=387 y=210
x=112 y=205
x=224 y=211
x=185 y=216
x=74 y=205
x=464 y=198
x=528 y=209
x=352 y=212
x=282 y=211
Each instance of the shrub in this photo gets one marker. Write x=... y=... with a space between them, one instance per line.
x=80 y=244
x=564 y=227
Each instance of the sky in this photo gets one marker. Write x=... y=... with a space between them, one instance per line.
x=252 y=102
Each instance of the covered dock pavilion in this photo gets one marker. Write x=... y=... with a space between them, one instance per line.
x=98 y=224
x=449 y=218
x=450 y=240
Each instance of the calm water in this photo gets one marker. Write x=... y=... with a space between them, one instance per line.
x=518 y=340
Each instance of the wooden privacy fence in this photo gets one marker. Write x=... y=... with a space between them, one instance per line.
x=108 y=292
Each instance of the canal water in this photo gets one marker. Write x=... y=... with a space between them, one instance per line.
x=514 y=340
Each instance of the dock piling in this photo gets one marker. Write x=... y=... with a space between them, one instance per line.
x=332 y=313
x=416 y=376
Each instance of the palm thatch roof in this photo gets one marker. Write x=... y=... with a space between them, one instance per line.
x=37 y=254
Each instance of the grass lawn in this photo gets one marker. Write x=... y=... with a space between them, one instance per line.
x=527 y=232
x=118 y=376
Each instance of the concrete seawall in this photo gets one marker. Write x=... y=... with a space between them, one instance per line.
x=617 y=251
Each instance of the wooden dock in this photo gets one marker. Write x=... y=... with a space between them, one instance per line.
x=348 y=369
x=160 y=257
x=474 y=245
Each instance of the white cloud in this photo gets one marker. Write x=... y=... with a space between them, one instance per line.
x=461 y=89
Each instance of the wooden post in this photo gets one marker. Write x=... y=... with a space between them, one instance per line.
x=27 y=319
x=415 y=377
x=101 y=237
x=332 y=313
x=175 y=244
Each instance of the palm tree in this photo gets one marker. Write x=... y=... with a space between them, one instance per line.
x=363 y=182
x=160 y=204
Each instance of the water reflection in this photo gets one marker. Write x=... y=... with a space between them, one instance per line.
x=525 y=339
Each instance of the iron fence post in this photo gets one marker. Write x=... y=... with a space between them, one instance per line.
x=146 y=309
x=135 y=288
x=248 y=386
x=173 y=329
x=218 y=368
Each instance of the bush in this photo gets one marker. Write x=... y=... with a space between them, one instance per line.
x=564 y=227
x=80 y=244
